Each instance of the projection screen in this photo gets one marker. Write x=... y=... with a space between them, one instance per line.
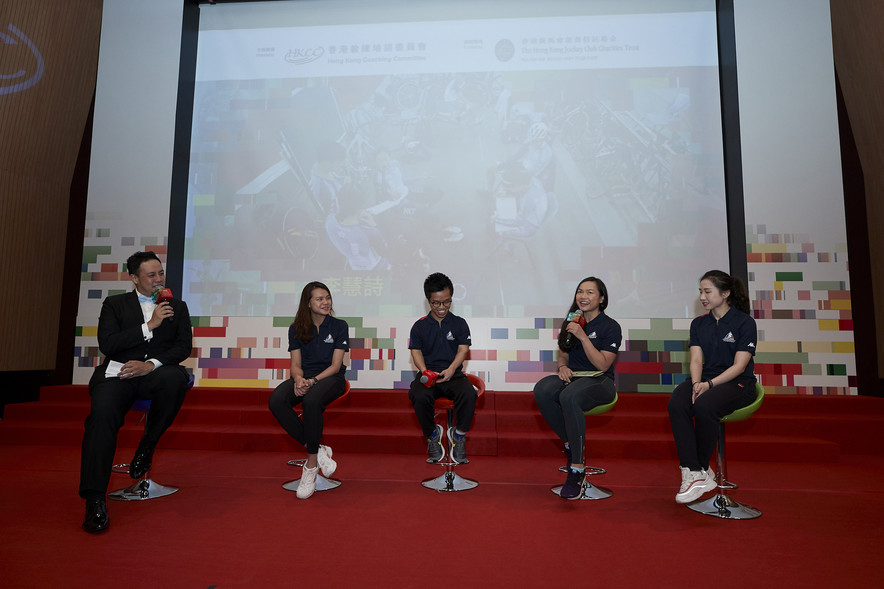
x=515 y=146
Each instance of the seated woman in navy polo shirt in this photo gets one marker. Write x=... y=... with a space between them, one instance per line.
x=722 y=379
x=585 y=375
x=317 y=343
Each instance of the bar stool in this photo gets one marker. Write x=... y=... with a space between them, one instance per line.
x=144 y=488
x=722 y=505
x=322 y=483
x=449 y=480
x=591 y=491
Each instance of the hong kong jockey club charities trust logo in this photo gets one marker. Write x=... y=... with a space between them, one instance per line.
x=22 y=63
x=302 y=56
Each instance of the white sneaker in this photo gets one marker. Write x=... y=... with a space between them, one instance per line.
x=308 y=482
x=324 y=459
x=710 y=474
x=686 y=478
x=694 y=483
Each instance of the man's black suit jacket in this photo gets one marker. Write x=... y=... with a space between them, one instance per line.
x=120 y=337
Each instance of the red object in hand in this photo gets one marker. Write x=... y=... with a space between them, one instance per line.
x=578 y=317
x=428 y=378
x=162 y=294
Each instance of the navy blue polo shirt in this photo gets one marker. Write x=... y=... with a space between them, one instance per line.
x=316 y=355
x=438 y=342
x=605 y=335
x=720 y=342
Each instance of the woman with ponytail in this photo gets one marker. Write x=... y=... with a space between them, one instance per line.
x=317 y=344
x=722 y=379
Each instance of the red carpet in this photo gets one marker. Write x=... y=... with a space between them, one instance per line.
x=232 y=525
x=812 y=465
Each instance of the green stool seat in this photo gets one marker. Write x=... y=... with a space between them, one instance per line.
x=722 y=505
x=746 y=412
x=599 y=409
x=591 y=491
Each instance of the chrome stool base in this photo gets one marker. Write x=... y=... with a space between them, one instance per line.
x=142 y=490
x=322 y=483
x=589 y=491
x=723 y=506
x=449 y=481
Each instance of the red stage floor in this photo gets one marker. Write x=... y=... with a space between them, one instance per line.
x=232 y=525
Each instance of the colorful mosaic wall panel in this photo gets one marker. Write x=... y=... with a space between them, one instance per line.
x=801 y=300
x=800 y=297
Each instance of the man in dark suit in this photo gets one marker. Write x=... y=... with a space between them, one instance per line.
x=147 y=342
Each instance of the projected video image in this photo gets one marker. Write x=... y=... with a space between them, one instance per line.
x=515 y=183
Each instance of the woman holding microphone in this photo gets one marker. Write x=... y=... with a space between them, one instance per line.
x=588 y=345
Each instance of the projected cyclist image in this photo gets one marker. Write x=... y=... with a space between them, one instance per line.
x=542 y=166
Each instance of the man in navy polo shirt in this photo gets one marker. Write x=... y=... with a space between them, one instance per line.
x=439 y=343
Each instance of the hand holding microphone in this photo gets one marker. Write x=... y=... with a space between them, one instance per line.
x=428 y=378
x=162 y=311
x=161 y=295
x=574 y=317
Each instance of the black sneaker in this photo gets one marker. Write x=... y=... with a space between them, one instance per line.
x=458 y=446
x=573 y=487
x=435 y=449
x=567 y=452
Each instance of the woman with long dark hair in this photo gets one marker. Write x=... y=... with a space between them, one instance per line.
x=722 y=379
x=317 y=343
x=584 y=378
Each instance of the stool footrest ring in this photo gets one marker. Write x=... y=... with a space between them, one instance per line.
x=590 y=470
x=726 y=484
x=444 y=462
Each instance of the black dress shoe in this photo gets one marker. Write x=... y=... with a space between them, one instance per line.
x=141 y=462
x=96 y=520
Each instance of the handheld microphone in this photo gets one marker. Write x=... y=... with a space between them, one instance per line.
x=581 y=321
x=161 y=295
x=428 y=378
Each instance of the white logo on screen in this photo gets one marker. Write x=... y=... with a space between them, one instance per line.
x=302 y=56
